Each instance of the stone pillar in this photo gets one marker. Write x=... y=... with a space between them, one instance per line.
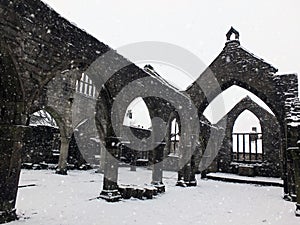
x=102 y=159
x=110 y=190
x=295 y=152
x=192 y=178
x=180 y=179
x=286 y=161
x=157 y=167
x=10 y=164
x=133 y=160
x=185 y=176
x=184 y=172
x=187 y=172
x=62 y=167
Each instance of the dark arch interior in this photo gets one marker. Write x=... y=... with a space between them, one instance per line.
x=43 y=141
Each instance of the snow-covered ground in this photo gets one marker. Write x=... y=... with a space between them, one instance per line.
x=71 y=200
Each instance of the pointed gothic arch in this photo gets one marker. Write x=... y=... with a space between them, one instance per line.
x=273 y=155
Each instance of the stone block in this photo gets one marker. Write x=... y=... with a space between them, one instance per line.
x=246 y=171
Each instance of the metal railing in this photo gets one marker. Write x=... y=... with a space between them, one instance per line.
x=247 y=147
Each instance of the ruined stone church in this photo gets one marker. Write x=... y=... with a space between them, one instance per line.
x=43 y=59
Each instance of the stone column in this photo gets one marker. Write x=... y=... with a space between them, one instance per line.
x=110 y=190
x=291 y=136
x=192 y=178
x=10 y=164
x=184 y=172
x=62 y=167
x=133 y=160
x=157 y=167
x=185 y=175
x=295 y=152
x=187 y=172
x=102 y=159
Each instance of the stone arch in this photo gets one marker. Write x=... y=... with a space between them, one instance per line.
x=171 y=161
x=237 y=66
x=256 y=90
x=112 y=142
x=110 y=95
x=174 y=118
x=276 y=102
x=271 y=166
x=61 y=46
x=62 y=52
x=272 y=99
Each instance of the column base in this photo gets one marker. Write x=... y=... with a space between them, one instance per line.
x=110 y=195
x=61 y=171
x=181 y=183
x=287 y=197
x=203 y=174
x=297 y=212
x=192 y=183
x=8 y=216
x=161 y=188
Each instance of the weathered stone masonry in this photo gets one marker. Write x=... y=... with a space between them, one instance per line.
x=271 y=164
x=41 y=57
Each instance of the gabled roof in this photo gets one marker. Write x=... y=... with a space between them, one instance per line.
x=238 y=59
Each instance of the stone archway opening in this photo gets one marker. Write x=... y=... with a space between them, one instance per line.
x=138 y=122
x=172 y=151
x=247 y=138
x=251 y=135
x=42 y=143
x=50 y=143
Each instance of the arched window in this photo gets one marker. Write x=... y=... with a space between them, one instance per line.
x=247 y=139
x=85 y=86
x=174 y=138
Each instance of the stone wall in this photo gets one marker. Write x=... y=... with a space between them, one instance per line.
x=42 y=146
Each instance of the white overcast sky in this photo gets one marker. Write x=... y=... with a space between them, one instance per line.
x=268 y=28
